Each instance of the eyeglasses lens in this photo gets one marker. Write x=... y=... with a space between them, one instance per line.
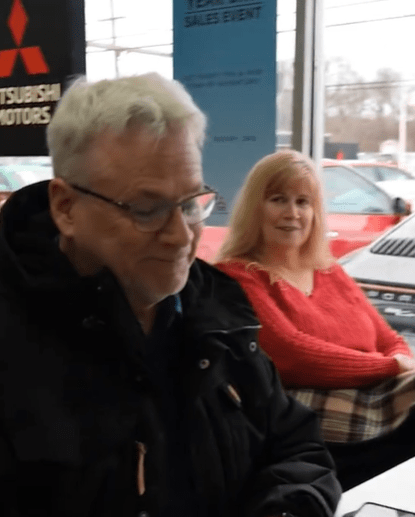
x=195 y=210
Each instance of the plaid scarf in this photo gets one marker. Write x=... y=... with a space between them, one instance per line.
x=351 y=415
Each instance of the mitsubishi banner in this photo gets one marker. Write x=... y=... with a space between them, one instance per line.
x=42 y=48
x=225 y=55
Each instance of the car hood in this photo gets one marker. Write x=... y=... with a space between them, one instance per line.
x=374 y=268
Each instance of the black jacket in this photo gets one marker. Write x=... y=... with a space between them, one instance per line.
x=75 y=393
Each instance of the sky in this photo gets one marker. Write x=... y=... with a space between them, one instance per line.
x=354 y=29
x=368 y=45
x=376 y=44
x=139 y=23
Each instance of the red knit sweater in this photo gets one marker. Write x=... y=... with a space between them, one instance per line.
x=334 y=338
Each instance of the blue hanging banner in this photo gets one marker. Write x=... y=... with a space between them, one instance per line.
x=225 y=55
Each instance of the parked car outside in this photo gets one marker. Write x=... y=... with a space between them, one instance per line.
x=358 y=211
x=385 y=270
x=394 y=180
x=16 y=176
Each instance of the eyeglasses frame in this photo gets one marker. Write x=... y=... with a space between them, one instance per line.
x=129 y=208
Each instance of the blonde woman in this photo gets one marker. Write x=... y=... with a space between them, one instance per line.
x=330 y=346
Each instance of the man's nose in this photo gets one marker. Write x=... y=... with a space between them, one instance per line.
x=177 y=232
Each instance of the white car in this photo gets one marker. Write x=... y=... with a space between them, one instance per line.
x=394 y=180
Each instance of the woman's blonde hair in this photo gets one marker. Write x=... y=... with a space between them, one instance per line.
x=270 y=174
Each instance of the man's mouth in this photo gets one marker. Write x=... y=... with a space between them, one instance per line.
x=172 y=260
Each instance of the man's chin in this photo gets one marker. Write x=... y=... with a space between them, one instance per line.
x=175 y=287
x=161 y=291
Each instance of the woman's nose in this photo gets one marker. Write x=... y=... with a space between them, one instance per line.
x=292 y=210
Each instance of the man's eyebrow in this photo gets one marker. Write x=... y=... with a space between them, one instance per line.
x=150 y=194
x=197 y=190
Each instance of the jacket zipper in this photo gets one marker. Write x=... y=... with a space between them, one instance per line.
x=141 y=480
x=231 y=331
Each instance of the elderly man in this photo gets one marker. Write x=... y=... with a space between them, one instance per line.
x=132 y=384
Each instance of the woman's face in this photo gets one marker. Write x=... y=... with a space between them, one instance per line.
x=287 y=216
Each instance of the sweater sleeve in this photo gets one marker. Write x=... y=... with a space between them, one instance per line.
x=300 y=357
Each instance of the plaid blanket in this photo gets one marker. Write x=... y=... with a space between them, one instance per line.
x=349 y=415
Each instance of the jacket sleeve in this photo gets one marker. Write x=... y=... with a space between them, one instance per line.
x=300 y=357
x=296 y=473
x=7 y=485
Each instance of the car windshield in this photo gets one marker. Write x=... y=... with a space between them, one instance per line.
x=347 y=192
x=391 y=174
x=368 y=172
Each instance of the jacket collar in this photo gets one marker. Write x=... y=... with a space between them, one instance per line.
x=206 y=301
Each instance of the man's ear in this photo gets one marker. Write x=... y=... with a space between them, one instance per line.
x=61 y=202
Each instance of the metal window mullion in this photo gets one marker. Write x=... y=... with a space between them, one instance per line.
x=308 y=98
x=318 y=109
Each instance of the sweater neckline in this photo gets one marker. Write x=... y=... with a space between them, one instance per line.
x=283 y=283
x=277 y=278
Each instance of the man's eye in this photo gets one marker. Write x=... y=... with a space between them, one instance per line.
x=147 y=213
x=191 y=206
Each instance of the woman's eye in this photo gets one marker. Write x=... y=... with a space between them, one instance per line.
x=276 y=199
x=303 y=201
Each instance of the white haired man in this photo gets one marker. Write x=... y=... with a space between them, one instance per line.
x=132 y=384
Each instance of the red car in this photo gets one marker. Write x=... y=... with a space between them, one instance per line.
x=358 y=211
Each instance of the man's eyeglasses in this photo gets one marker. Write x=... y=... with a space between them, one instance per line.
x=195 y=209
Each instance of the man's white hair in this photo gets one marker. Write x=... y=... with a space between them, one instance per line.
x=87 y=109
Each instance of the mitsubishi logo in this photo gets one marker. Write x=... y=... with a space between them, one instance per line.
x=32 y=57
